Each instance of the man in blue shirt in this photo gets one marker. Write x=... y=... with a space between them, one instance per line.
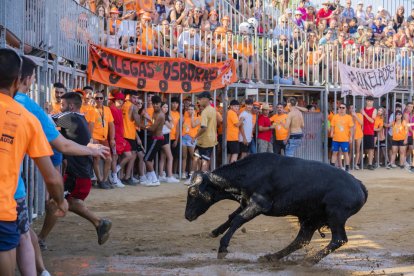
x=28 y=239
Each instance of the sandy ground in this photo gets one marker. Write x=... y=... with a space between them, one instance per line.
x=150 y=236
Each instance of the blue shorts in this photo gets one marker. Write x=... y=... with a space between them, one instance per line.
x=9 y=235
x=187 y=141
x=344 y=146
x=57 y=158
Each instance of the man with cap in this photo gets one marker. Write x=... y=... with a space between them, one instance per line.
x=298 y=20
x=246 y=131
x=324 y=14
x=232 y=131
x=264 y=137
x=369 y=113
x=206 y=136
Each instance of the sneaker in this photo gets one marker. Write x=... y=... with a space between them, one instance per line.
x=371 y=167
x=260 y=82
x=172 y=179
x=412 y=169
x=45 y=273
x=135 y=180
x=316 y=83
x=393 y=166
x=143 y=180
x=152 y=184
x=356 y=167
x=103 y=230
x=129 y=182
x=118 y=183
x=250 y=82
x=184 y=176
x=104 y=185
x=162 y=177
x=42 y=244
x=188 y=182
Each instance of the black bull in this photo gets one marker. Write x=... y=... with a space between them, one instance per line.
x=273 y=185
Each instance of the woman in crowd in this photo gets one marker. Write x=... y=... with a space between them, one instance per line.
x=191 y=124
x=166 y=155
x=358 y=135
x=195 y=18
x=399 y=139
x=178 y=15
x=398 y=18
x=212 y=23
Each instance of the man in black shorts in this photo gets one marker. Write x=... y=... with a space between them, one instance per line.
x=77 y=177
x=206 y=136
x=155 y=140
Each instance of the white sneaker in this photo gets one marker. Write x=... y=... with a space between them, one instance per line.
x=260 y=82
x=45 y=273
x=143 y=180
x=136 y=181
x=188 y=182
x=118 y=183
x=162 y=177
x=176 y=175
x=153 y=184
x=171 y=179
x=316 y=83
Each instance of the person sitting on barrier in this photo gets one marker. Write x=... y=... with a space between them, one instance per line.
x=114 y=23
x=178 y=14
x=195 y=18
x=147 y=38
x=168 y=39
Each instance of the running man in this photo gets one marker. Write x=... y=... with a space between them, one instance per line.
x=155 y=140
x=77 y=177
x=294 y=125
x=20 y=134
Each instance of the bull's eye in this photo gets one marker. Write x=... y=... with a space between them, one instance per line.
x=193 y=191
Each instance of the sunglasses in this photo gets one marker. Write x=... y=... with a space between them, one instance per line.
x=99 y=98
x=342 y=107
x=283 y=39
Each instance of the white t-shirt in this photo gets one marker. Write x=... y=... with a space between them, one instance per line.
x=247 y=126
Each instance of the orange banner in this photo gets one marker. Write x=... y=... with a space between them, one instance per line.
x=157 y=74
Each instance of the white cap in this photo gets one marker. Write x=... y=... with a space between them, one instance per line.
x=298 y=12
x=360 y=27
x=288 y=11
x=380 y=8
x=360 y=3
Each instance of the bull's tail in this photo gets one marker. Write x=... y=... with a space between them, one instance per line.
x=364 y=190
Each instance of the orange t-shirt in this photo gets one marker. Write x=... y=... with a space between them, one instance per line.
x=92 y=6
x=146 y=42
x=379 y=122
x=399 y=131
x=175 y=120
x=102 y=119
x=342 y=127
x=358 y=127
x=55 y=108
x=20 y=133
x=88 y=112
x=150 y=111
x=280 y=131
x=112 y=24
x=187 y=128
x=129 y=123
x=245 y=50
x=219 y=125
x=232 y=130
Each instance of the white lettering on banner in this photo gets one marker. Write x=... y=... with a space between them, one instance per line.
x=367 y=82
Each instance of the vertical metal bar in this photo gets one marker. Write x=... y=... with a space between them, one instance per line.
x=224 y=141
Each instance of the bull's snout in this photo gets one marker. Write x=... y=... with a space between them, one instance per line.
x=189 y=216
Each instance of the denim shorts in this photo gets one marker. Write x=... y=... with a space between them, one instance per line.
x=187 y=141
x=295 y=141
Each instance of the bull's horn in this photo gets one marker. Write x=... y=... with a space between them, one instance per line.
x=218 y=180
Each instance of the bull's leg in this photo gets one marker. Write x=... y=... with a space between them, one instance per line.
x=339 y=238
x=251 y=211
x=302 y=239
x=222 y=228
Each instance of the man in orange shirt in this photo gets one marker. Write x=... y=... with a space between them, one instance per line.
x=20 y=133
x=103 y=127
x=233 y=125
x=175 y=132
x=341 y=131
x=281 y=133
x=59 y=90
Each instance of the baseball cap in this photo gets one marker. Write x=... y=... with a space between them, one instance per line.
x=360 y=3
x=117 y=96
x=288 y=10
x=266 y=106
x=369 y=98
x=298 y=12
x=248 y=101
x=204 y=94
x=360 y=27
x=234 y=102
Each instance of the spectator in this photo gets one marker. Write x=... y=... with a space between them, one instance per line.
x=265 y=130
x=166 y=155
x=399 y=139
x=233 y=125
x=294 y=124
x=225 y=23
x=175 y=133
x=353 y=26
x=383 y=14
x=398 y=18
x=369 y=113
x=207 y=133
x=341 y=132
x=302 y=9
x=59 y=91
x=103 y=131
x=178 y=15
x=189 y=44
x=369 y=15
x=310 y=14
x=191 y=124
x=288 y=15
x=147 y=37
x=348 y=13
x=114 y=25
x=378 y=29
x=282 y=29
x=411 y=17
x=400 y=38
x=244 y=53
x=360 y=36
x=360 y=14
x=281 y=133
x=298 y=21
x=324 y=14
x=246 y=130
x=195 y=18
x=167 y=40
x=327 y=38
x=161 y=12
x=212 y=23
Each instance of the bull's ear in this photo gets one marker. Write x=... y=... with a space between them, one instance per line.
x=193 y=191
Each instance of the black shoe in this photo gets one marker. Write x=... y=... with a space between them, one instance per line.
x=103 y=185
x=371 y=167
x=128 y=182
x=103 y=230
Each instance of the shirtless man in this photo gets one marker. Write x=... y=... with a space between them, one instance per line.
x=294 y=125
x=155 y=140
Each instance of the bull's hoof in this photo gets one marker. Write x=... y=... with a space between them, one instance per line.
x=269 y=258
x=214 y=234
x=222 y=254
x=310 y=261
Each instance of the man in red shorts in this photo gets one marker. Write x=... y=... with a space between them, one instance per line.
x=78 y=173
x=123 y=148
